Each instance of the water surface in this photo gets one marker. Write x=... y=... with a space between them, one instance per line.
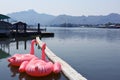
x=93 y=52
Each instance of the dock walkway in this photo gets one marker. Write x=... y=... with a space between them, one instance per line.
x=31 y=33
x=28 y=33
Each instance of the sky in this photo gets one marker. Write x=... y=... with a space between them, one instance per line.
x=58 y=7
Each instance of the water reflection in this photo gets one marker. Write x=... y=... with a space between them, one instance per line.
x=23 y=39
x=3 y=54
x=5 y=43
x=52 y=76
x=4 y=48
x=24 y=76
x=13 y=69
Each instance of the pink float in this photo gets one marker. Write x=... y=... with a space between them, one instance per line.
x=40 y=67
x=17 y=59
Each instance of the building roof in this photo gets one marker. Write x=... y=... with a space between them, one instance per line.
x=19 y=23
x=4 y=16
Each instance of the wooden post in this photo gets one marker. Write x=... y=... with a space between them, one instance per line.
x=39 y=28
x=68 y=71
x=25 y=44
x=17 y=44
x=16 y=28
x=25 y=25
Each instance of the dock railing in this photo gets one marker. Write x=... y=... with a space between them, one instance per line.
x=67 y=70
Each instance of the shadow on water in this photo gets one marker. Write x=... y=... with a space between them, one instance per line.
x=24 y=76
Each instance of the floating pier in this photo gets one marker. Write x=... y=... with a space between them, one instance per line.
x=68 y=71
x=21 y=29
x=22 y=34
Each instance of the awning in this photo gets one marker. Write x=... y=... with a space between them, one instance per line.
x=4 y=16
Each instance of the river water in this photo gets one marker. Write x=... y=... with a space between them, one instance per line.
x=93 y=52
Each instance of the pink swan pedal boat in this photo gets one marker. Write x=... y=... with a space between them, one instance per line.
x=17 y=59
x=40 y=67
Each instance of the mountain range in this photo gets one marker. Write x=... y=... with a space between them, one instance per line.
x=32 y=17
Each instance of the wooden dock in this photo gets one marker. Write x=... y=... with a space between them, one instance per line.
x=26 y=34
x=68 y=71
x=20 y=29
x=42 y=34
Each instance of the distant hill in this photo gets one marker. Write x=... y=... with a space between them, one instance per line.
x=115 y=18
x=32 y=17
